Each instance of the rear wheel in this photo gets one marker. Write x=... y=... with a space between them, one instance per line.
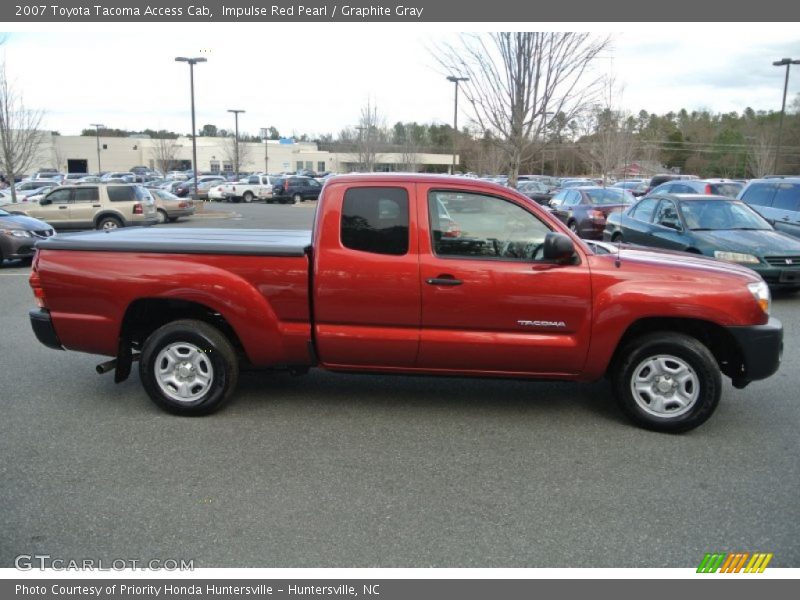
x=162 y=216
x=248 y=197
x=188 y=367
x=667 y=382
x=109 y=223
x=297 y=198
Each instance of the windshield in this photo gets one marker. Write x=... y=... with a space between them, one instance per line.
x=719 y=214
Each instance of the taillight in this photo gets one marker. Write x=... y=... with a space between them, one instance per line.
x=286 y=185
x=38 y=291
x=138 y=209
x=708 y=189
x=183 y=205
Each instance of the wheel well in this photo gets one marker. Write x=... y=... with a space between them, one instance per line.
x=693 y=251
x=715 y=337
x=145 y=315
x=104 y=215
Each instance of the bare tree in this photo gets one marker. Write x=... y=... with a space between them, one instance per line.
x=516 y=78
x=165 y=153
x=235 y=154
x=371 y=134
x=611 y=143
x=761 y=153
x=20 y=136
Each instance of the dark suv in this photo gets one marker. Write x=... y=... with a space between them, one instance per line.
x=777 y=200
x=295 y=188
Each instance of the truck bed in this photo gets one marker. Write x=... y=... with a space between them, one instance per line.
x=173 y=240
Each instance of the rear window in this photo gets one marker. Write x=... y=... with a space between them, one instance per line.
x=121 y=193
x=759 y=194
x=731 y=190
x=375 y=219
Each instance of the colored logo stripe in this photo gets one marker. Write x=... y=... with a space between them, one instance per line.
x=734 y=562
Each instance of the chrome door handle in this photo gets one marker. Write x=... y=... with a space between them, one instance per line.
x=443 y=281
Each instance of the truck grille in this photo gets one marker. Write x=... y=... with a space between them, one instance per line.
x=783 y=261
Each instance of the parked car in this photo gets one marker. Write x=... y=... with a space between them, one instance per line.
x=89 y=179
x=535 y=190
x=19 y=233
x=295 y=188
x=186 y=188
x=253 y=187
x=71 y=178
x=715 y=226
x=777 y=200
x=30 y=193
x=637 y=187
x=217 y=192
x=585 y=209
x=171 y=208
x=48 y=174
x=713 y=187
x=203 y=188
x=657 y=180
x=101 y=206
x=30 y=185
x=117 y=176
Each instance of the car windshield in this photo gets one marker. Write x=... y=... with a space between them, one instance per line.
x=608 y=196
x=719 y=214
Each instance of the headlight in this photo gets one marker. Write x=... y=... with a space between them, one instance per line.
x=737 y=257
x=760 y=292
x=17 y=232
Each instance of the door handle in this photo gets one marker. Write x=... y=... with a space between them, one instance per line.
x=96 y=205
x=62 y=208
x=443 y=280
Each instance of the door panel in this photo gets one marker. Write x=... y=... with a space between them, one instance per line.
x=486 y=304
x=366 y=278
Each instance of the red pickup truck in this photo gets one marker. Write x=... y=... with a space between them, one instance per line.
x=412 y=274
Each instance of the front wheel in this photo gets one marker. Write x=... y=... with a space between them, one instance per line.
x=297 y=198
x=248 y=197
x=667 y=382
x=188 y=367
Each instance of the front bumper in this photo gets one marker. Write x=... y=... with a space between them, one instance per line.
x=43 y=328
x=761 y=348
x=16 y=247
x=777 y=277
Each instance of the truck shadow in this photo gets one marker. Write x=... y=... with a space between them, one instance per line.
x=338 y=392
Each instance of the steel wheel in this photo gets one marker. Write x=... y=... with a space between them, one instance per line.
x=183 y=372
x=665 y=386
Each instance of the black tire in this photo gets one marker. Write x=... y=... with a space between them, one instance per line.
x=248 y=197
x=616 y=238
x=214 y=354
x=162 y=216
x=173 y=219
x=702 y=383
x=297 y=198
x=108 y=223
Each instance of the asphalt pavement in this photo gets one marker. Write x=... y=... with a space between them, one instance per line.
x=333 y=470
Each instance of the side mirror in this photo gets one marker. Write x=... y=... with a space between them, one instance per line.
x=552 y=203
x=45 y=202
x=558 y=247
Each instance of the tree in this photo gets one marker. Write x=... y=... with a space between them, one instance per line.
x=20 y=136
x=371 y=133
x=236 y=153
x=208 y=130
x=761 y=153
x=165 y=153
x=516 y=78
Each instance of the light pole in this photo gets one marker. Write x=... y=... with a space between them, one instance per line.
x=264 y=132
x=455 y=80
x=236 y=112
x=779 y=63
x=192 y=62
x=97 y=127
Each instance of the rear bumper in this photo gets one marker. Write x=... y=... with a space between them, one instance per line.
x=761 y=347
x=43 y=328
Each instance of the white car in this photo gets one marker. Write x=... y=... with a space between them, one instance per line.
x=217 y=192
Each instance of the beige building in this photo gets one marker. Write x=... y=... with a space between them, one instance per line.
x=79 y=154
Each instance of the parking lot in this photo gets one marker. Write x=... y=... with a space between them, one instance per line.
x=334 y=470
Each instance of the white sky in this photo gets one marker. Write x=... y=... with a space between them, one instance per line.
x=314 y=78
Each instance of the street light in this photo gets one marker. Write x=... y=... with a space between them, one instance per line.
x=97 y=127
x=779 y=63
x=455 y=80
x=192 y=62
x=264 y=136
x=236 y=112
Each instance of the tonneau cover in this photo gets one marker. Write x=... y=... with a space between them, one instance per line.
x=173 y=240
